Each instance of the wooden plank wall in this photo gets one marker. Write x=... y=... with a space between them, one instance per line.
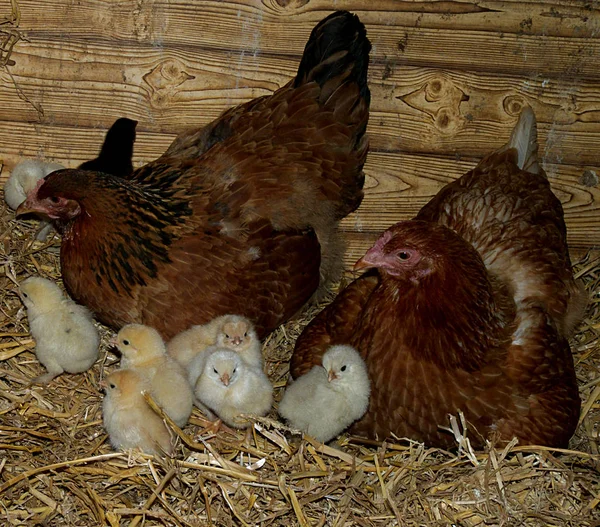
x=448 y=79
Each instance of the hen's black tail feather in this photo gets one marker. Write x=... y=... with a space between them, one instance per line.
x=117 y=150
x=338 y=47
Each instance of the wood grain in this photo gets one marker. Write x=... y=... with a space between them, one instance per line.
x=448 y=80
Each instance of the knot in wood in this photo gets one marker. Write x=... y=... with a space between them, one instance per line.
x=437 y=89
x=164 y=81
x=513 y=104
x=291 y=4
x=448 y=120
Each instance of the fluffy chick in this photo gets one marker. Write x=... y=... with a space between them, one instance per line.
x=22 y=180
x=233 y=332
x=64 y=332
x=187 y=345
x=128 y=420
x=230 y=387
x=328 y=398
x=142 y=349
x=237 y=333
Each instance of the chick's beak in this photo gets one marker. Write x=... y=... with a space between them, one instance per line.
x=225 y=379
x=237 y=341
x=331 y=376
x=102 y=384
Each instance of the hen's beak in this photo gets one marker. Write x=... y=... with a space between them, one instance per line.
x=371 y=259
x=225 y=379
x=331 y=376
x=25 y=208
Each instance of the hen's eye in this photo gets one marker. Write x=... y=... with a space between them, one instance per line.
x=54 y=199
x=126 y=343
x=403 y=255
x=343 y=368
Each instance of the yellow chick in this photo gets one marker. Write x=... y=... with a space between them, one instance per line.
x=233 y=332
x=237 y=334
x=230 y=387
x=329 y=398
x=127 y=418
x=23 y=178
x=64 y=332
x=188 y=344
x=142 y=349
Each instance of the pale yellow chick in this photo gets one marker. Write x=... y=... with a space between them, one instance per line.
x=188 y=344
x=329 y=398
x=233 y=332
x=237 y=334
x=64 y=332
x=230 y=387
x=23 y=178
x=128 y=420
x=142 y=349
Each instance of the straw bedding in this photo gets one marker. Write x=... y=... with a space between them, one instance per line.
x=57 y=468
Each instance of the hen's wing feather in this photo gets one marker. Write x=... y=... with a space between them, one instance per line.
x=257 y=277
x=507 y=210
x=516 y=223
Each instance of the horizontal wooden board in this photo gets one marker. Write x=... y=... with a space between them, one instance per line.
x=186 y=21
x=413 y=109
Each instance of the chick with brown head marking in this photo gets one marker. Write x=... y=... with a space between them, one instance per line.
x=143 y=349
x=187 y=345
x=328 y=398
x=230 y=387
x=127 y=418
x=237 y=333
x=64 y=332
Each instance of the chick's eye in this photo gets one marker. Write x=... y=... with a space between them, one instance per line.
x=215 y=370
x=126 y=343
x=246 y=334
x=343 y=368
x=227 y=336
x=25 y=295
x=113 y=386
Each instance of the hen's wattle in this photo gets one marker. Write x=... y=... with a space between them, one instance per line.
x=466 y=309
x=237 y=217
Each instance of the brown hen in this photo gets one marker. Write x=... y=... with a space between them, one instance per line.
x=469 y=320
x=237 y=217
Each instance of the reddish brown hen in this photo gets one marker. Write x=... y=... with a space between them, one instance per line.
x=471 y=319
x=237 y=217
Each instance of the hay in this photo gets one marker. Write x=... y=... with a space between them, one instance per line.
x=57 y=468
